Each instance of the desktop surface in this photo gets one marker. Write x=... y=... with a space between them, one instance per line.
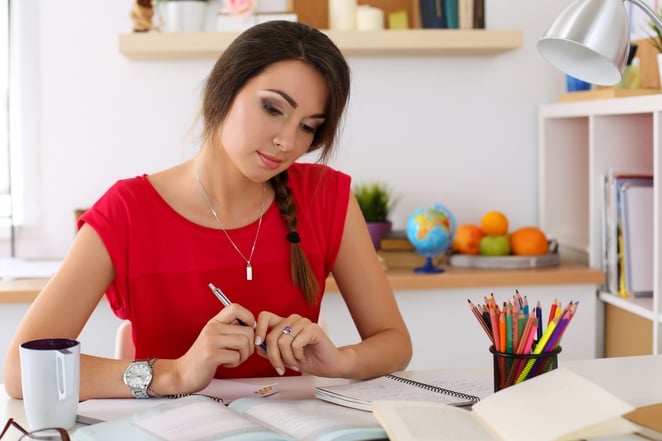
x=637 y=380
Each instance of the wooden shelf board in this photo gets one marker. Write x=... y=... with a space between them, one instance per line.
x=567 y=273
x=606 y=93
x=182 y=45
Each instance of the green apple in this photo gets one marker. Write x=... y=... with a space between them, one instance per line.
x=494 y=245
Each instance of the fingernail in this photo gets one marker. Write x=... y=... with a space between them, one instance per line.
x=280 y=371
x=294 y=368
x=258 y=340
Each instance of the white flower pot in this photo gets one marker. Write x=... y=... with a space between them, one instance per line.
x=659 y=68
x=184 y=15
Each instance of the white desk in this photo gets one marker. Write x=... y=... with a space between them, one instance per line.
x=637 y=380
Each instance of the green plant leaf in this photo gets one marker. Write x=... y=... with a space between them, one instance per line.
x=375 y=199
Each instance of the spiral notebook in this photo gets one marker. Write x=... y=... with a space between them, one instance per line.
x=361 y=394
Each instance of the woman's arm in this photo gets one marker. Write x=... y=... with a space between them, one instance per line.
x=65 y=304
x=63 y=307
x=386 y=345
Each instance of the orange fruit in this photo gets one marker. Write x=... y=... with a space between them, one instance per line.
x=467 y=239
x=528 y=241
x=494 y=223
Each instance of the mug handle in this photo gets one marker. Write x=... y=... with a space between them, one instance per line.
x=60 y=371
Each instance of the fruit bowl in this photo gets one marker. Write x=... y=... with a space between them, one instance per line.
x=504 y=262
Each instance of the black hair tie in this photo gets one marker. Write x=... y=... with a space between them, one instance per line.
x=293 y=237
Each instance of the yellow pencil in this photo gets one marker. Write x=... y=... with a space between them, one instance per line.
x=538 y=349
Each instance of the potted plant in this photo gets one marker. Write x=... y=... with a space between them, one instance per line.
x=376 y=201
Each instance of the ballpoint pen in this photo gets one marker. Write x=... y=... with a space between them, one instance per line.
x=226 y=302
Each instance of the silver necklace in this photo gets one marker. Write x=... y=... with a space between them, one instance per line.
x=249 y=268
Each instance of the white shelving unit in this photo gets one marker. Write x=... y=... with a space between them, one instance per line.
x=578 y=143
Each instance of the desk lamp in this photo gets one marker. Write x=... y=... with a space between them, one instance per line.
x=590 y=39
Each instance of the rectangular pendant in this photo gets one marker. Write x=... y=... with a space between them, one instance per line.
x=249 y=272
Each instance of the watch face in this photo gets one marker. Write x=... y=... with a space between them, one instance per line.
x=138 y=375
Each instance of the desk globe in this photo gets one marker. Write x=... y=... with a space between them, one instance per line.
x=431 y=231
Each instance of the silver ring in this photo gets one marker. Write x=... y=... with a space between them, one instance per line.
x=288 y=330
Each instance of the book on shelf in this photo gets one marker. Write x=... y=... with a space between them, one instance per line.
x=460 y=391
x=611 y=224
x=450 y=11
x=465 y=14
x=432 y=14
x=479 y=14
x=401 y=259
x=558 y=405
x=250 y=419
x=396 y=240
x=636 y=211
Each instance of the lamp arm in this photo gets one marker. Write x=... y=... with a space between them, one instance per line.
x=649 y=11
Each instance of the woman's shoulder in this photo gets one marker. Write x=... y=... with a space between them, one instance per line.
x=311 y=173
x=136 y=189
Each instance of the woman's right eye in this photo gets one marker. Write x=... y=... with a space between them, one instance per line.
x=270 y=109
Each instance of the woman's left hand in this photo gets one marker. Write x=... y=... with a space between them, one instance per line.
x=297 y=343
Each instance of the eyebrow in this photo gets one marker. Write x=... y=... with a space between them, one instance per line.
x=293 y=103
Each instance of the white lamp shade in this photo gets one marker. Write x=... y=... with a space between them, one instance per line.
x=589 y=40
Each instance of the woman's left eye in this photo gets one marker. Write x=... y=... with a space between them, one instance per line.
x=308 y=129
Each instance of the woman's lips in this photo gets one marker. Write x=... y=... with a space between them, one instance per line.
x=270 y=161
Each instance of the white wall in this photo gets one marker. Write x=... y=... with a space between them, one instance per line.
x=456 y=130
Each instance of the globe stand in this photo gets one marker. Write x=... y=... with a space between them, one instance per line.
x=428 y=267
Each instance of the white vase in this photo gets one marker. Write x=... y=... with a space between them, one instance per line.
x=342 y=15
x=659 y=69
x=184 y=15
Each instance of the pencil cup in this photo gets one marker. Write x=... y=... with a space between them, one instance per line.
x=511 y=369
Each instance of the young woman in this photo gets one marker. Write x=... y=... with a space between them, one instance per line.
x=243 y=216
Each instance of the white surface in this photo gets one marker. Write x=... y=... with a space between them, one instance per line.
x=445 y=334
x=614 y=374
x=459 y=130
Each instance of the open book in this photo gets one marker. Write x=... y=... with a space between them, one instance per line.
x=198 y=417
x=556 y=406
x=225 y=391
x=457 y=391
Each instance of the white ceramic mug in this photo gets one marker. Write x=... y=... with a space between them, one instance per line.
x=50 y=375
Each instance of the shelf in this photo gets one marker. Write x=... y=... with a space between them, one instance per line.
x=183 y=45
x=642 y=307
x=568 y=273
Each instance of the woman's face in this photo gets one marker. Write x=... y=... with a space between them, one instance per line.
x=273 y=119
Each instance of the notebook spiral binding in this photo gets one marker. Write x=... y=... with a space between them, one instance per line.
x=433 y=388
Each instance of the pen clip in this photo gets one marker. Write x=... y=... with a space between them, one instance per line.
x=218 y=293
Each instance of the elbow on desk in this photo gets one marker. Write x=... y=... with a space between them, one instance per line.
x=12 y=378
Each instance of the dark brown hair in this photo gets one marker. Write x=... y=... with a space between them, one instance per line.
x=246 y=57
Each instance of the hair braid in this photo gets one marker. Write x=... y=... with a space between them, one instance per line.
x=302 y=274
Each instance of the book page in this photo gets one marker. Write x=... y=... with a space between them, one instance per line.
x=311 y=420
x=190 y=418
x=423 y=421
x=562 y=402
x=201 y=421
x=94 y=411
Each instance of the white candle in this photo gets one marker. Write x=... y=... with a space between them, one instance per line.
x=369 y=18
x=341 y=15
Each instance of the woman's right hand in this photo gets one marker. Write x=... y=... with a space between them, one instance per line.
x=222 y=342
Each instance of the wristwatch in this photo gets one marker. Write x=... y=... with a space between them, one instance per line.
x=138 y=377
